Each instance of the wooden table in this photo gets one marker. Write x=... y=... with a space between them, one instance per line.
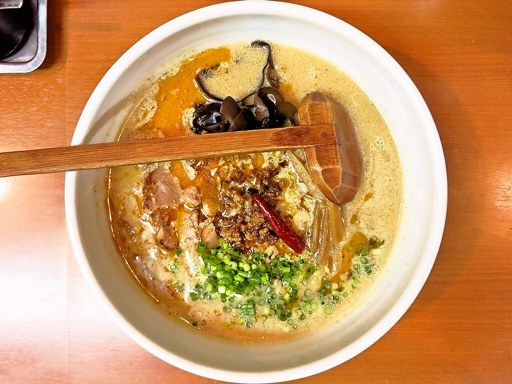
x=459 y=330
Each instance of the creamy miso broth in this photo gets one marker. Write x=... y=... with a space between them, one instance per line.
x=194 y=232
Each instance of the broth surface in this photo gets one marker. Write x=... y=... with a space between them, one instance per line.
x=206 y=205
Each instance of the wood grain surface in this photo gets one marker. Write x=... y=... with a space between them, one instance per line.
x=105 y=155
x=459 y=330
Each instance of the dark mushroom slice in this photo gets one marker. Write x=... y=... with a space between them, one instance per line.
x=271 y=95
x=264 y=108
x=239 y=118
x=265 y=102
x=287 y=111
x=269 y=75
x=208 y=119
x=245 y=120
x=230 y=107
x=210 y=97
x=261 y=110
x=271 y=110
x=272 y=122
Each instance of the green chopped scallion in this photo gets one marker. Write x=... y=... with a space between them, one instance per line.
x=246 y=282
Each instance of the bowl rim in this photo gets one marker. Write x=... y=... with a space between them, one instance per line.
x=411 y=291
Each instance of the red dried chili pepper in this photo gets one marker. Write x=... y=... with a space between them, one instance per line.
x=278 y=225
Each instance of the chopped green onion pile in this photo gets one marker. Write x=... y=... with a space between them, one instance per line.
x=258 y=286
x=249 y=280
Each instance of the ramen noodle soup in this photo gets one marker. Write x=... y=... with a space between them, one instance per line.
x=246 y=246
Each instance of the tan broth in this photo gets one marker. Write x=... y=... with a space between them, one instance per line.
x=170 y=269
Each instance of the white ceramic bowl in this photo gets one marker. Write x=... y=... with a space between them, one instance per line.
x=424 y=204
